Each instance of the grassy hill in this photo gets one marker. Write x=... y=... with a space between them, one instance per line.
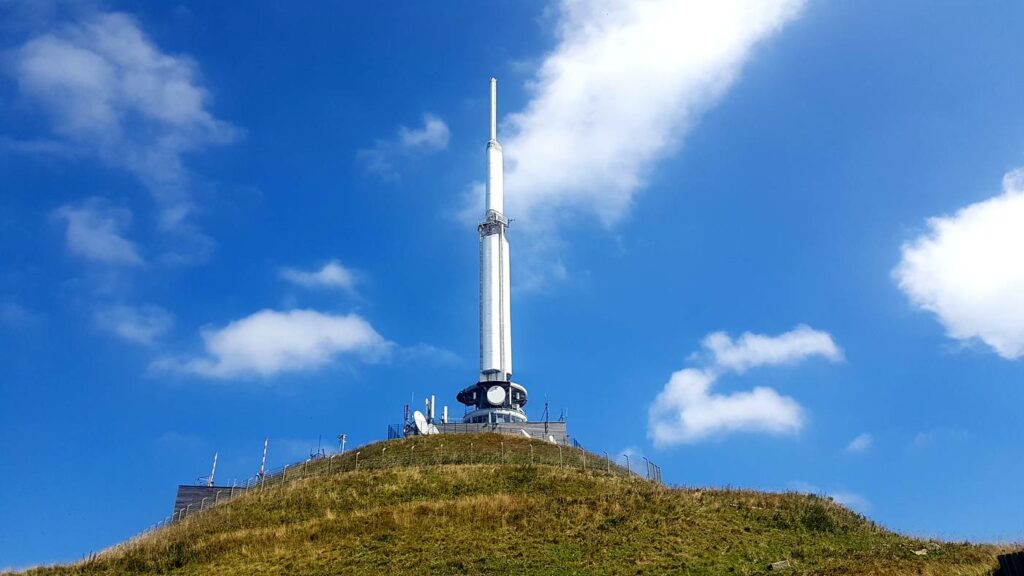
x=477 y=504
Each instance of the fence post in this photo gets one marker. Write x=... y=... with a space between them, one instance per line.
x=629 y=473
x=584 y=452
x=329 y=461
x=608 y=463
x=357 y=460
x=559 y=455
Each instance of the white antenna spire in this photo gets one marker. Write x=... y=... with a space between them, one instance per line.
x=213 y=473
x=494 y=108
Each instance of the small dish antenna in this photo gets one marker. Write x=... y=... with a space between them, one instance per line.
x=525 y=433
x=551 y=438
x=421 y=422
x=432 y=429
x=496 y=395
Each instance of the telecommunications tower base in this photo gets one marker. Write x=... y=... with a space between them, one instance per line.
x=494 y=402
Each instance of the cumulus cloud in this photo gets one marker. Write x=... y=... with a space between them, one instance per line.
x=332 y=275
x=381 y=158
x=862 y=443
x=751 y=350
x=625 y=82
x=966 y=269
x=139 y=324
x=109 y=90
x=688 y=411
x=271 y=342
x=95 y=231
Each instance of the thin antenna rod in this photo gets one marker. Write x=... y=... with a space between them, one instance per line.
x=494 y=109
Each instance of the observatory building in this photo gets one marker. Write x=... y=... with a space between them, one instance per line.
x=495 y=398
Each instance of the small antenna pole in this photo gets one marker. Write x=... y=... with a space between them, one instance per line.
x=263 y=462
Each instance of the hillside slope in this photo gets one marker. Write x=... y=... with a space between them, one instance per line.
x=493 y=504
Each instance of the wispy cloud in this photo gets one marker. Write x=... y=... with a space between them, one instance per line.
x=332 y=275
x=861 y=443
x=625 y=83
x=94 y=230
x=428 y=353
x=851 y=500
x=752 y=350
x=966 y=269
x=15 y=315
x=937 y=436
x=382 y=157
x=271 y=342
x=108 y=89
x=687 y=411
x=138 y=324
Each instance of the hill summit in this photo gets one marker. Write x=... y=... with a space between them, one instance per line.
x=491 y=504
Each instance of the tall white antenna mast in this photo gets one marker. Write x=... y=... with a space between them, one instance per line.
x=494 y=108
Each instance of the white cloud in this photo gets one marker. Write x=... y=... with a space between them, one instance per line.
x=851 y=500
x=429 y=353
x=432 y=137
x=752 y=350
x=138 y=324
x=331 y=275
x=944 y=436
x=271 y=342
x=862 y=443
x=108 y=89
x=967 y=270
x=95 y=231
x=687 y=411
x=626 y=81
x=15 y=315
x=410 y=142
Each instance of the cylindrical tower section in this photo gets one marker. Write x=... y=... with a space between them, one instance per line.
x=495 y=397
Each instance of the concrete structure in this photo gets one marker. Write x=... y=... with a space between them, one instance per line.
x=191 y=499
x=548 y=431
x=495 y=398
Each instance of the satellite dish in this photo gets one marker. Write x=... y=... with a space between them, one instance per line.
x=431 y=429
x=496 y=395
x=421 y=422
x=551 y=439
x=525 y=433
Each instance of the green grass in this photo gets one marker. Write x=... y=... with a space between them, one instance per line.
x=488 y=504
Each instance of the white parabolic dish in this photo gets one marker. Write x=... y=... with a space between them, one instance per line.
x=421 y=422
x=496 y=395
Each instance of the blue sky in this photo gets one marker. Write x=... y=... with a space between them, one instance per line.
x=766 y=244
